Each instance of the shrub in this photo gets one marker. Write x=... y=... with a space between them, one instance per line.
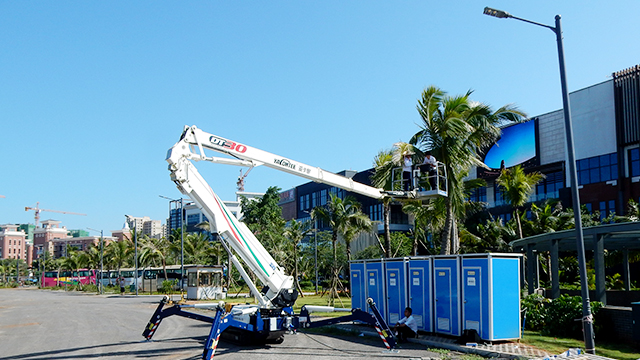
x=306 y=284
x=167 y=286
x=556 y=317
x=535 y=312
x=90 y=288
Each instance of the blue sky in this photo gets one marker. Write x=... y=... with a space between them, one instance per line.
x=93 y=94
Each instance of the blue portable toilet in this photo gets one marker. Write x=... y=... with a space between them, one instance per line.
x=396 y=289
x=491 y=295
x=420 y=291
x=374 y=270
x=358 y=284
x=446 y=289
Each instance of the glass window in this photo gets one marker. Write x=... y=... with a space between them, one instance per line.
x=498 y=194
x=192 y=279
x=548 y=187
x=597 y=169
x=634 y=162
x=478 y=195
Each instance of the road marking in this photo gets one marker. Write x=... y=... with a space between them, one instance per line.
x=18 y=325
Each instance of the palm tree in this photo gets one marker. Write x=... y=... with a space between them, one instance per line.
x=426 y=221
x=382 y=178
x=119 y=253
x=518 y=186
x=455 y=129
x=155 y=251
x=295 y=232
x=72 y=262
x=3 y=271
x=197 y=249
x=341 y=216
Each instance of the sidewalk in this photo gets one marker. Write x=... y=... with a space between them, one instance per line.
x=502 y=350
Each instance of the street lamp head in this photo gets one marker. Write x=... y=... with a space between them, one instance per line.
x=496 y=13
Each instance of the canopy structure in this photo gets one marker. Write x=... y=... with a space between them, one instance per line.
x=622 y=236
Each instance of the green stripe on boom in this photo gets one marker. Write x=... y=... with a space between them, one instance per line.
x=242 y=237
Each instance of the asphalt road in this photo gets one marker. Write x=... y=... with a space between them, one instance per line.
x=41 y=324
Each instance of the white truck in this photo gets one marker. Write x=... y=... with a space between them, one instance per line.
x=273 y=316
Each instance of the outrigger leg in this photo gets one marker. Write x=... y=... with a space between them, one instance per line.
x=214 y=335
x=382 y=327
x=374 y=319
x=155 y=320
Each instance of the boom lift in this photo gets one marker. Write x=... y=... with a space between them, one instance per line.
x=273 y=316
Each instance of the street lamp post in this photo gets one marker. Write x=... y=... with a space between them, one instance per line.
x=587 y=318
x=315 y=242
x=101 y=258
x=135 y=244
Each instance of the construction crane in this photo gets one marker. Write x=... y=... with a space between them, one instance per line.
x=37 y=210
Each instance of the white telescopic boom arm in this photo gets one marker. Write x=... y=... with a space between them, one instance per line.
x=249 y=156
x=232 y=231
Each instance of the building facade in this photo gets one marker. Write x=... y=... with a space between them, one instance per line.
x=606 y=132
x=45 y=235
x=12 y=242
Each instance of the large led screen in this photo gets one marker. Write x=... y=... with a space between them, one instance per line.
x=517 y=145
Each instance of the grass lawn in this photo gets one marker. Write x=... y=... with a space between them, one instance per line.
x=557 y=345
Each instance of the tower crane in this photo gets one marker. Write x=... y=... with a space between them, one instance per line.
x=37 y=210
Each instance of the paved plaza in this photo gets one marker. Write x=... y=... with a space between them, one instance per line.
x=42 y=324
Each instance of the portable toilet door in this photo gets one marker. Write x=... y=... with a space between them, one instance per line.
x=491 y=295
x=396 y=288
x=420 y=292
x=446 y=289
x=375 y=283
x=358 y=285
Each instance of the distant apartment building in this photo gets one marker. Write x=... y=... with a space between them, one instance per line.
x=80 y=243
x=145 y=226
x=44 y=237
x=12 y=242
x=78 y=233
x=28 y=230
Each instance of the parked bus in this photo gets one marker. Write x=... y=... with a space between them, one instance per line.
x=149 y=278
x=155 y=275
x=110 y=277
x=69 y=277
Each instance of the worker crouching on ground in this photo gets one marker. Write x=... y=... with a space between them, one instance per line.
x=407 y=327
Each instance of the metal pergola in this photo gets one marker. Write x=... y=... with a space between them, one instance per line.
x=621 y=236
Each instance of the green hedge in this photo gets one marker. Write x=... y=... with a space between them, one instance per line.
x=556 y=317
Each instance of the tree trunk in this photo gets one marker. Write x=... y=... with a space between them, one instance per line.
x=295 y=270
x=387 y=231
x=518 y=222
x=333 y=291
x=446 y=237
x=455 y=239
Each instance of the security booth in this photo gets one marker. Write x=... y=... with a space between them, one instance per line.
x=204 y=282
x=420 y=291
x=491 y=295
x=446 y=289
